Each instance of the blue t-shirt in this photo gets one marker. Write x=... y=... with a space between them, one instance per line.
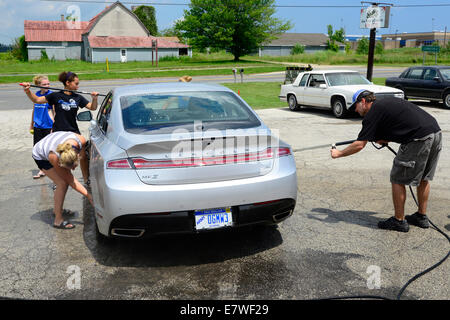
x=41 y=118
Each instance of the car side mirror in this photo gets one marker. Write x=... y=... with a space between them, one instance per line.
x=437 y=79
x=84 y=116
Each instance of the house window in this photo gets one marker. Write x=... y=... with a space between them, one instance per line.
x=183 y=51
x=123 y=52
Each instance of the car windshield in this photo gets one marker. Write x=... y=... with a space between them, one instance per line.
x=161 y=113
x=446 y=73
x=343 y=79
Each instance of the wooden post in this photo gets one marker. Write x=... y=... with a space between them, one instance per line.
x=371 y=53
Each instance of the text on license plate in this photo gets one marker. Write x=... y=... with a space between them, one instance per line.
x=213 y=218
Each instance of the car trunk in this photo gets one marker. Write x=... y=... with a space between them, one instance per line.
x=199 y=160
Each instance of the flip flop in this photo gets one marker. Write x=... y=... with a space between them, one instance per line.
x=63 y=225
x=39 y=175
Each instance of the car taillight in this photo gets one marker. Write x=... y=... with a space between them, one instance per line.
x=118 y=164
x=141 y=163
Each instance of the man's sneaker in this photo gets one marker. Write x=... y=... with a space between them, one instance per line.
x=393 y=224
x=419 y=220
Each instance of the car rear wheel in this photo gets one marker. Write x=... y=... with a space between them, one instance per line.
x=292 y=102
x=339 y=109
x=447 y=100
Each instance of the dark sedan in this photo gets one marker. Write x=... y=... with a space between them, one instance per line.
x=426 y=82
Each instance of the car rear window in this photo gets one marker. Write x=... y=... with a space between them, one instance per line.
x=446 y=73
x=161 y=113
x=343 y=79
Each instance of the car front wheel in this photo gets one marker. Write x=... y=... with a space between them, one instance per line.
x=339 y=109
x=292 y=102
x=447 y=100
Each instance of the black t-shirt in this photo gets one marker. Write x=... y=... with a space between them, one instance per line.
x=66 y=108
x=396 y=120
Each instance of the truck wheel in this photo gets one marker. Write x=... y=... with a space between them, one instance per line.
x=339 y=109
x=292 y=102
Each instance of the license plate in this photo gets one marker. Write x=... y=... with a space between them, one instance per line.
x=213 y=218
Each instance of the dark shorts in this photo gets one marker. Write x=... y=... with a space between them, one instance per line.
x=39 y=134
x=43 y=164
x=417 y=160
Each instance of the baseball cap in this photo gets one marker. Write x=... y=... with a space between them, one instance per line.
x=362 y=93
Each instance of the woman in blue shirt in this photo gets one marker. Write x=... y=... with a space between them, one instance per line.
x=42 y=117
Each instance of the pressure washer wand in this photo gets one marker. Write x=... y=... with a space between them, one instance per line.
x=57 y=89
x=333 y=146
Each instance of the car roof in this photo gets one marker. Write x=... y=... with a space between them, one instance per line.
x=165 y=87
x=434 y=67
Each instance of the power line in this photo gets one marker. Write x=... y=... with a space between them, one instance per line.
x=276 y=6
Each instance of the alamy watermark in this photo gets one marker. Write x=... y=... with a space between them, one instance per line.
x=374 y=279
x=74 y=280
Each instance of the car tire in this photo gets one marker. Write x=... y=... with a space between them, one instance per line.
x=339 y=108
x=446 y=100
x=292 y=103
x=101 y=238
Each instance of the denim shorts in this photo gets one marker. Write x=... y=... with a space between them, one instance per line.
x=417 y=160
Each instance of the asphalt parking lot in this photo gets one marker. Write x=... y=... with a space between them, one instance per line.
x=331 y=246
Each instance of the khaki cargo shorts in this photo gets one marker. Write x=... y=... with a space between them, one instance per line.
x=417 y=160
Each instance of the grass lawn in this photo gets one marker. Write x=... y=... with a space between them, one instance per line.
x=144 y=73
x=264 y=95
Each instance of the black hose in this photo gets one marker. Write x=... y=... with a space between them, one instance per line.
x=417 y=276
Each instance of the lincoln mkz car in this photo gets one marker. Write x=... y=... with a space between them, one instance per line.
x=185 y=158
x=427 y=82
x=331 y=89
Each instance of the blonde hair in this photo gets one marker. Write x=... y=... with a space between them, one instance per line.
x=38 y=79
x=67 y=155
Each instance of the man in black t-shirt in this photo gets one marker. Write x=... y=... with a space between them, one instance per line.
x=419 y=135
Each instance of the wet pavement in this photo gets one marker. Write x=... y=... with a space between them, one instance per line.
x=331 y=246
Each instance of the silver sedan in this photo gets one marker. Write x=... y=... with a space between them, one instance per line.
x=185 y=158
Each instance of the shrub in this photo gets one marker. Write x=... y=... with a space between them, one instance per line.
x=44 y=56
x=298 y=49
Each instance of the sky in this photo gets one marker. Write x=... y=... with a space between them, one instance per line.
x=310 y=16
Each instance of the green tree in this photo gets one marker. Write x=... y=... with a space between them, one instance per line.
x=20 y=51
x=147 y=16
x=333 y=37
x=363 y=46
x=240 y=26
x=379 y=49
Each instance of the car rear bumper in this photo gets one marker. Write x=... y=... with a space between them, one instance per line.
x=125 y=195
x=139 y=225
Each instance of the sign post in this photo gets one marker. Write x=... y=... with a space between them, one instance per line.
x=371 y=18
x=434 y=49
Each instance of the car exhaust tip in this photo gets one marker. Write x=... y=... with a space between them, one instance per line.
x=127 y=233
x=282 y=216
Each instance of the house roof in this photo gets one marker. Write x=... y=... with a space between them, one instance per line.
x=54 y=30
x=57 y=31
x=306 y=39
x=131 y=42
x=97 y=17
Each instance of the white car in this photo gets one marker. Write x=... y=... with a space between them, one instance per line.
x=331 y=89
